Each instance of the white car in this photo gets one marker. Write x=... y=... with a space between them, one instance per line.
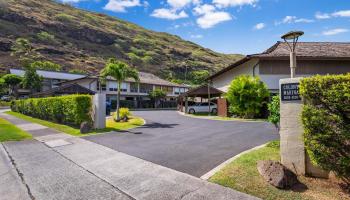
x=202 y=107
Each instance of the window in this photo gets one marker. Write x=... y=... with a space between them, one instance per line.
x=134 y=87
x=145 y=88
x=113 y=86
x=103 y=86
x=167 y=89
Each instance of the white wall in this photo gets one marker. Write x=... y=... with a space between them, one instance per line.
x=272 y=81
x=223 y=81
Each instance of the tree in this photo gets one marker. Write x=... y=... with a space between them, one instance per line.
x=120 y=71
x=12 y=80
x=199 y=77
x=31 y=79
x=247 y=96
x=77 y=71
x=3 y=89
x=46 y=65
x=156 y=95
x=24 y=49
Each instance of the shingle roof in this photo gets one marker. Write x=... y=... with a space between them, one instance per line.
x=309 y=50
x=149 y=78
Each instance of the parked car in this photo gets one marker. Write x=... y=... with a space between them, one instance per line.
x=6 y=98
x=203 y=107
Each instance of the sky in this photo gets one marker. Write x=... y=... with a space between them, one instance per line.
x=233 y=26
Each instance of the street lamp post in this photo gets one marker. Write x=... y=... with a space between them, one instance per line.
x=293 y=37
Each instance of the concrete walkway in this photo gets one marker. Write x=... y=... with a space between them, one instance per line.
x=60 y=166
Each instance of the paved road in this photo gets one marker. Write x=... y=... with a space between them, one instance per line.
x=190 y=145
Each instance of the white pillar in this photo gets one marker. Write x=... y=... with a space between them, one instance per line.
x=99 y=108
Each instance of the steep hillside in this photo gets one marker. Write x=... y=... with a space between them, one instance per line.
x=78 y=39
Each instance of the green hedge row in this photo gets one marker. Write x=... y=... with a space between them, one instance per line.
x=71 y=110
x=326 y=120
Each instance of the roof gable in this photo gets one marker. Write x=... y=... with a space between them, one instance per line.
x=309 y=50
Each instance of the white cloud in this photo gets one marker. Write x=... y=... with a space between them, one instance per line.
x=228 y=3
x=319 y=15
x=209 y=16
x=293 y=19
x=213 y=18
x=177 y=4
x=335 y=31
x=121 y=5
x=342 y=13
x=204 y=9
x=303 y=20
x=170 y=14
x=196 y=36
x=259 y=26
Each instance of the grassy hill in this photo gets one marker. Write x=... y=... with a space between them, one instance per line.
x=78 y=39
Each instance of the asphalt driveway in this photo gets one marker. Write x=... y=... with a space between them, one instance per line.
x=190 y=145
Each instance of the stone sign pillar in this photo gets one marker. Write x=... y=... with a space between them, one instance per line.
x=291 y=128
x=99 y=111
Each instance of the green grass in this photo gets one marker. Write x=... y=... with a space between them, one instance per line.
x=111 y=125
x=9 y=132
x=242 y=175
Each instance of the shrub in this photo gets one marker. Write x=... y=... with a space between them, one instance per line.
x=274 y=109
x=45 y=37
x=71 y=109
x=247 y=96
x=124 y=113
x=4 y=103
x=326 y=120
x=64 y=17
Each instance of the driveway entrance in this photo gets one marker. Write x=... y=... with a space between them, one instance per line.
x=190 y=145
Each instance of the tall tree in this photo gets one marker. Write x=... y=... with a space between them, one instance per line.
x=12 y=81
x=31 y=80
x=120 y=71
x=199 y=77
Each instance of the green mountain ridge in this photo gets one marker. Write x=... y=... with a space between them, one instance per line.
x=84 y=40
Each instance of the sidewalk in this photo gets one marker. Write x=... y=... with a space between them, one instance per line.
x=60 y=166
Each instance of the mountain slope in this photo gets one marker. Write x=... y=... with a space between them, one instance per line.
x=78 y=39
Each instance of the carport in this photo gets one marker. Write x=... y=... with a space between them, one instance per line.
x=203 y=92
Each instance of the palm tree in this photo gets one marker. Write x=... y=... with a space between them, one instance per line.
x=120 y=71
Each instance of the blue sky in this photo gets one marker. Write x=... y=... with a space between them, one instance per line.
x=233 y=26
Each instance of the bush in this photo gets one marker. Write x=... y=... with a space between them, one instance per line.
x=71 y=110
x=5 y=103
x=124 y=114
x=247 y=96
x=326 y=120
x=45 y=37
x=274 y=109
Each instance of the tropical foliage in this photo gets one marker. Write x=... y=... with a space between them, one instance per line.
x=247 y=96
x=120 y=71
x=274 y=111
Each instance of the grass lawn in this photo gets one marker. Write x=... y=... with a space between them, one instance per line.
x=9 y=132
x=111 y=125
x=242 y=175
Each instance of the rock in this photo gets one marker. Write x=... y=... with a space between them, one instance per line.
x=276 y=174
x=85 y=127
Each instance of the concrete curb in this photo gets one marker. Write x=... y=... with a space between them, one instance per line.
x=224 y=164
x=209 y=118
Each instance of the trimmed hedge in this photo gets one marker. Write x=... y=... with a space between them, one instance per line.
x=71 y=110
x=326 y=120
